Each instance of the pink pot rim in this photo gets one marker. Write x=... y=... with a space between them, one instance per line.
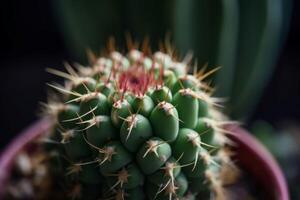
x=240 y=136
x=260 y=156
x=13 y=148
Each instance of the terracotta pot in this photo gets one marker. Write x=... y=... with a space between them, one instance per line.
x=251 y=156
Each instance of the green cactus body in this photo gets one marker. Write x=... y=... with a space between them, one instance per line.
x=184 y=82
x=138 y=127
x=129 y=177
x=161 y=94
x=135 y=130
x=143 y=105
x=105 y=88
x=65 y=113
x=120 y=110
x=82 y=86
x=113 y=157
x=153 y=154
x=90 y=174
x=187 y=106
x=93 y=101
x=75 y=146
x=186 y=145
x=101 y=131
x=166 y=113
x=169 y=171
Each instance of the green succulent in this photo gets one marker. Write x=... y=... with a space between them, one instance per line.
x=138 y=127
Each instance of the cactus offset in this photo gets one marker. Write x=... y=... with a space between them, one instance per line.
x=138 y=127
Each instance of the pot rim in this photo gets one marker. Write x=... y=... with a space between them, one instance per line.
x=258 y=155
x=237 y=135
x=16 y=145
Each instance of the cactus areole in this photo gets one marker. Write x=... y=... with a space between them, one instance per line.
x=137 y=126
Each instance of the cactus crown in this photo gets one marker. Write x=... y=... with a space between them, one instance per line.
x=138 y=127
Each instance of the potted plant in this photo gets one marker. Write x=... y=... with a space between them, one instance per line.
x=137 y=126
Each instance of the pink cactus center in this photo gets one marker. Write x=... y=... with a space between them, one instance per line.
x=136 y=80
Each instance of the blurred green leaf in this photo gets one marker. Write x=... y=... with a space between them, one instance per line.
x=88 y=25
x=196 y=28
x=210 y=29
x=227 y=46
x=258 y=47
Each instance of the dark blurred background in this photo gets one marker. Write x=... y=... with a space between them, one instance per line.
x=31 y=40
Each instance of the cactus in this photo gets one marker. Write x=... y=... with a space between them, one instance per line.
x=138 y=127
